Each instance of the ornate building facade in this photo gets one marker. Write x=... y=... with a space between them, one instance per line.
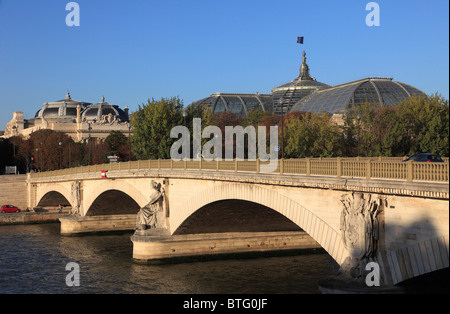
x=79 y=120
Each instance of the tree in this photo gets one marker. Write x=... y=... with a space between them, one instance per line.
x=47 y=150
x=426 y=120
x=118 y=145
x=151 y=127
x=418 y=124
x=312 y=135
x=227 y=119
x=255 y=117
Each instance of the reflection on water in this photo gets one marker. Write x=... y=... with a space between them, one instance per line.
x=34 y=258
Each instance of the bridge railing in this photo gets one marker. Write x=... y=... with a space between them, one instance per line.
x=368 y=168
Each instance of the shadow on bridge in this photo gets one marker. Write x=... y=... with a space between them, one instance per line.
x=113 y=202
x=51 y=201
x=235 y=216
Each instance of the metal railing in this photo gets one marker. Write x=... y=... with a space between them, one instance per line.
x=369 y=168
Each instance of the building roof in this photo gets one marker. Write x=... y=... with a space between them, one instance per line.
x=96 y=112
x=239 y=104
x=339 y=99
x=305 y=93
x=304 y=78
x=286 y=95
x=61 y=109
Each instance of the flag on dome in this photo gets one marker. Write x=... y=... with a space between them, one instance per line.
x=299 y=40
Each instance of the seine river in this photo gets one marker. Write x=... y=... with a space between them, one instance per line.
x=33 y=260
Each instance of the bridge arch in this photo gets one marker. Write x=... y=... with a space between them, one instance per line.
x=113 y=190
x=53 y=196
x=113 y=202
x=320 y=231
x=53 y=199
x=235 y=216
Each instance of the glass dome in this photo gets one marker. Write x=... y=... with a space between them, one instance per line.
x=239 y=104
x=339 y=99
x=286 y=95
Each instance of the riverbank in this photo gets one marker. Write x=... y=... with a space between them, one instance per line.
x=25 y=218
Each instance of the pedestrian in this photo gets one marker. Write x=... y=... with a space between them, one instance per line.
x=60 y=208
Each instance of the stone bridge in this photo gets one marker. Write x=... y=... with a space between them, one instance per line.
x=403 y=225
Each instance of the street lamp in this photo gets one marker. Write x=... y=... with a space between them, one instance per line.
x=282 y=127
x=37 y=151
x=70 y=154
x=184 y=116
x=89 y=143
x=358 y=117
x=129 y=141
x=60 y=155
x=14 y=143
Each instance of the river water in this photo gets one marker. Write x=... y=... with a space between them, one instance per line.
x=33 y=260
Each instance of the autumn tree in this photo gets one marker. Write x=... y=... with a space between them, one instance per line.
x=49 y=150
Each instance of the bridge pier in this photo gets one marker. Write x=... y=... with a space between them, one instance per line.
x=168 y=248
x=78 y=225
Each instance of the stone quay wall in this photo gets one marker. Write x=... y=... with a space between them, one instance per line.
x=13 y=190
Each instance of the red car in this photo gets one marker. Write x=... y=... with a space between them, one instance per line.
x=9 y=209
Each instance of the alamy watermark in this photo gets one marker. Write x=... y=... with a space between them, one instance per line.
x=73 y=17
x=212 y=150
x=373 y=18
x=73 y=278
x=373 y=277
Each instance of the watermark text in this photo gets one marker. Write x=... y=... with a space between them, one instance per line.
x=373 y=18
x=73 y=17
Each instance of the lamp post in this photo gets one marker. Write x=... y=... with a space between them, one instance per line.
x=60 y=155
x=184 y=116
x=89 y=143
x=14 y=143
x=282 y=127
x=37 y=152
x=129 y=141
x=70 y=154
x=358 y=117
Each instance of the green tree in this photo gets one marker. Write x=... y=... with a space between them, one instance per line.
x=312 y=135
x=418 y=124
x=151 y=127
x=426 y=120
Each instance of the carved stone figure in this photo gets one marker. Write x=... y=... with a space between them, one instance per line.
x=75 y=194
x=108 y=119
x=360 y=230
x=146 y=217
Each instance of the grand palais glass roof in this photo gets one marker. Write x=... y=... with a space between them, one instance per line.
x=339 y=99
x=305 y=93
x=286 y=95
x=239 y=104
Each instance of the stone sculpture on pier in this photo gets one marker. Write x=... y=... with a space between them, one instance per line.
x=360 y=231
x=147 y=215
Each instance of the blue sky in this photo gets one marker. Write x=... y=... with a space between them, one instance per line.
x=130 y=51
